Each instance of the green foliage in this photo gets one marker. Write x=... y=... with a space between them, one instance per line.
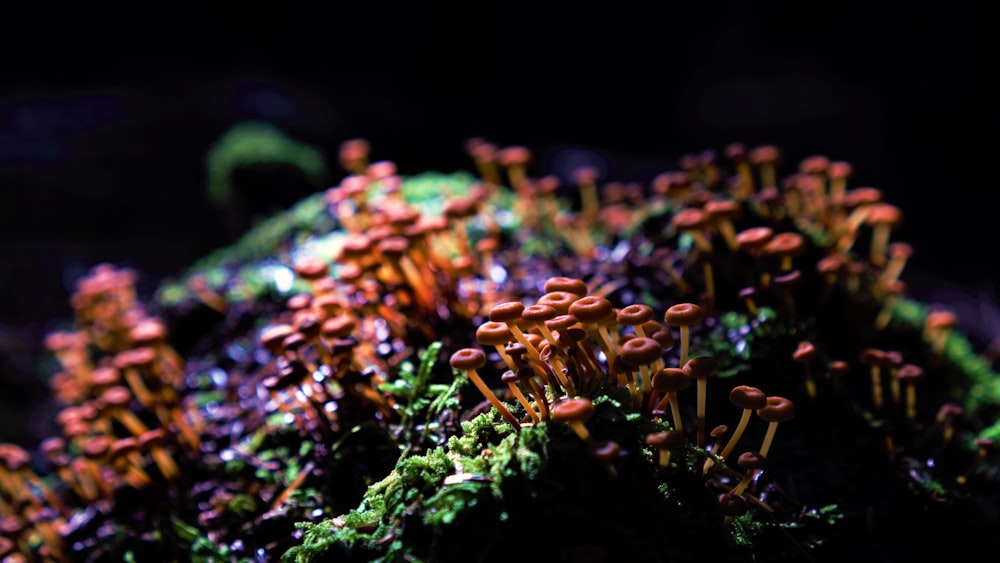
x=982 y=384
x=256 y=142
x=417 y=496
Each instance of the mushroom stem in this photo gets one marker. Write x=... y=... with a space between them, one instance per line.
x=510 y=378
x=467 y=360
x=685 y=338
x=702 y=387
x=765 y=446
x=740 y=427
x=876 y=375
x=492 y=398
x=675 y=409
x=810 y=382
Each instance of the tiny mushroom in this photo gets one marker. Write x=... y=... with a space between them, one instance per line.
x=471 y=359
x=753 y=462
x=875 y=359
x=700 y=369
x=511 y=378
x=665 y=442
x=573 y=412
x=749 y=399
x=669 y=381
x=778 y=410
x=684 y=315
x=909 y=374
x=805 y=353
x=640 y=352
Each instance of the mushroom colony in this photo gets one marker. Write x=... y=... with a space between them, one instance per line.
x=720 y=364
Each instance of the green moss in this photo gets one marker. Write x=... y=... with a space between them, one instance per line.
x=979 y=385
x=255 y=142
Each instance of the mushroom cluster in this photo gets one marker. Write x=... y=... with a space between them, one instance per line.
x=660 y=334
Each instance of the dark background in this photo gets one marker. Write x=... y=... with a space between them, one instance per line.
x=106 y=114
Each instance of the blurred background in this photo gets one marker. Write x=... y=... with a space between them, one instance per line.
x=107 y=114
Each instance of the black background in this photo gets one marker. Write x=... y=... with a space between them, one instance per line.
x=106 y=114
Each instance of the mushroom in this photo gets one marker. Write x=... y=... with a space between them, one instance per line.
x=565 y=325
x=909 y=374
x=591 y=311
x=718 y=433
x=899 y=254
x=394 y=250
x=753 y=462
x=785 y=285
x=538 y=315
x=558 y=300
x=606 y=451
x=803 y=354
x=471 y=359
x=684 y=316
x=838 y=171
x=124 y=456
x=311 y=269
x=511 y=378
x=115 y=403
x=567 y=284
x=883 y=217
x=665 y=442
x=744 y=186
x=777 y=410
x=483 y=154
x=695 y=222
x=731 y=505
x=700 y=369
x=721 y=213
x=496 y=334
x=835 y=370
x=635 y=316
x=785 y=246
x=573 y=412
x=514 y=160
x=669 y=381
x=352 y=155
x=151 y=442
x=753 y=241
x=875 y=359
x=509 y=312
x=749 y=399
x=937 y=326
x=586 y=178
x=641 y=352
x=765 y=157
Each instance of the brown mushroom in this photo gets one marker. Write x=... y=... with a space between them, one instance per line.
x=803 y=354
x=511 y=379
x=641 y=352
x=664 y=443
x=749 y=399
x=669 y=381
x=700 y=369
x=573 y=412
x=778 y=410
x=909 y=374
x=471 y=359
x=684 y=316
